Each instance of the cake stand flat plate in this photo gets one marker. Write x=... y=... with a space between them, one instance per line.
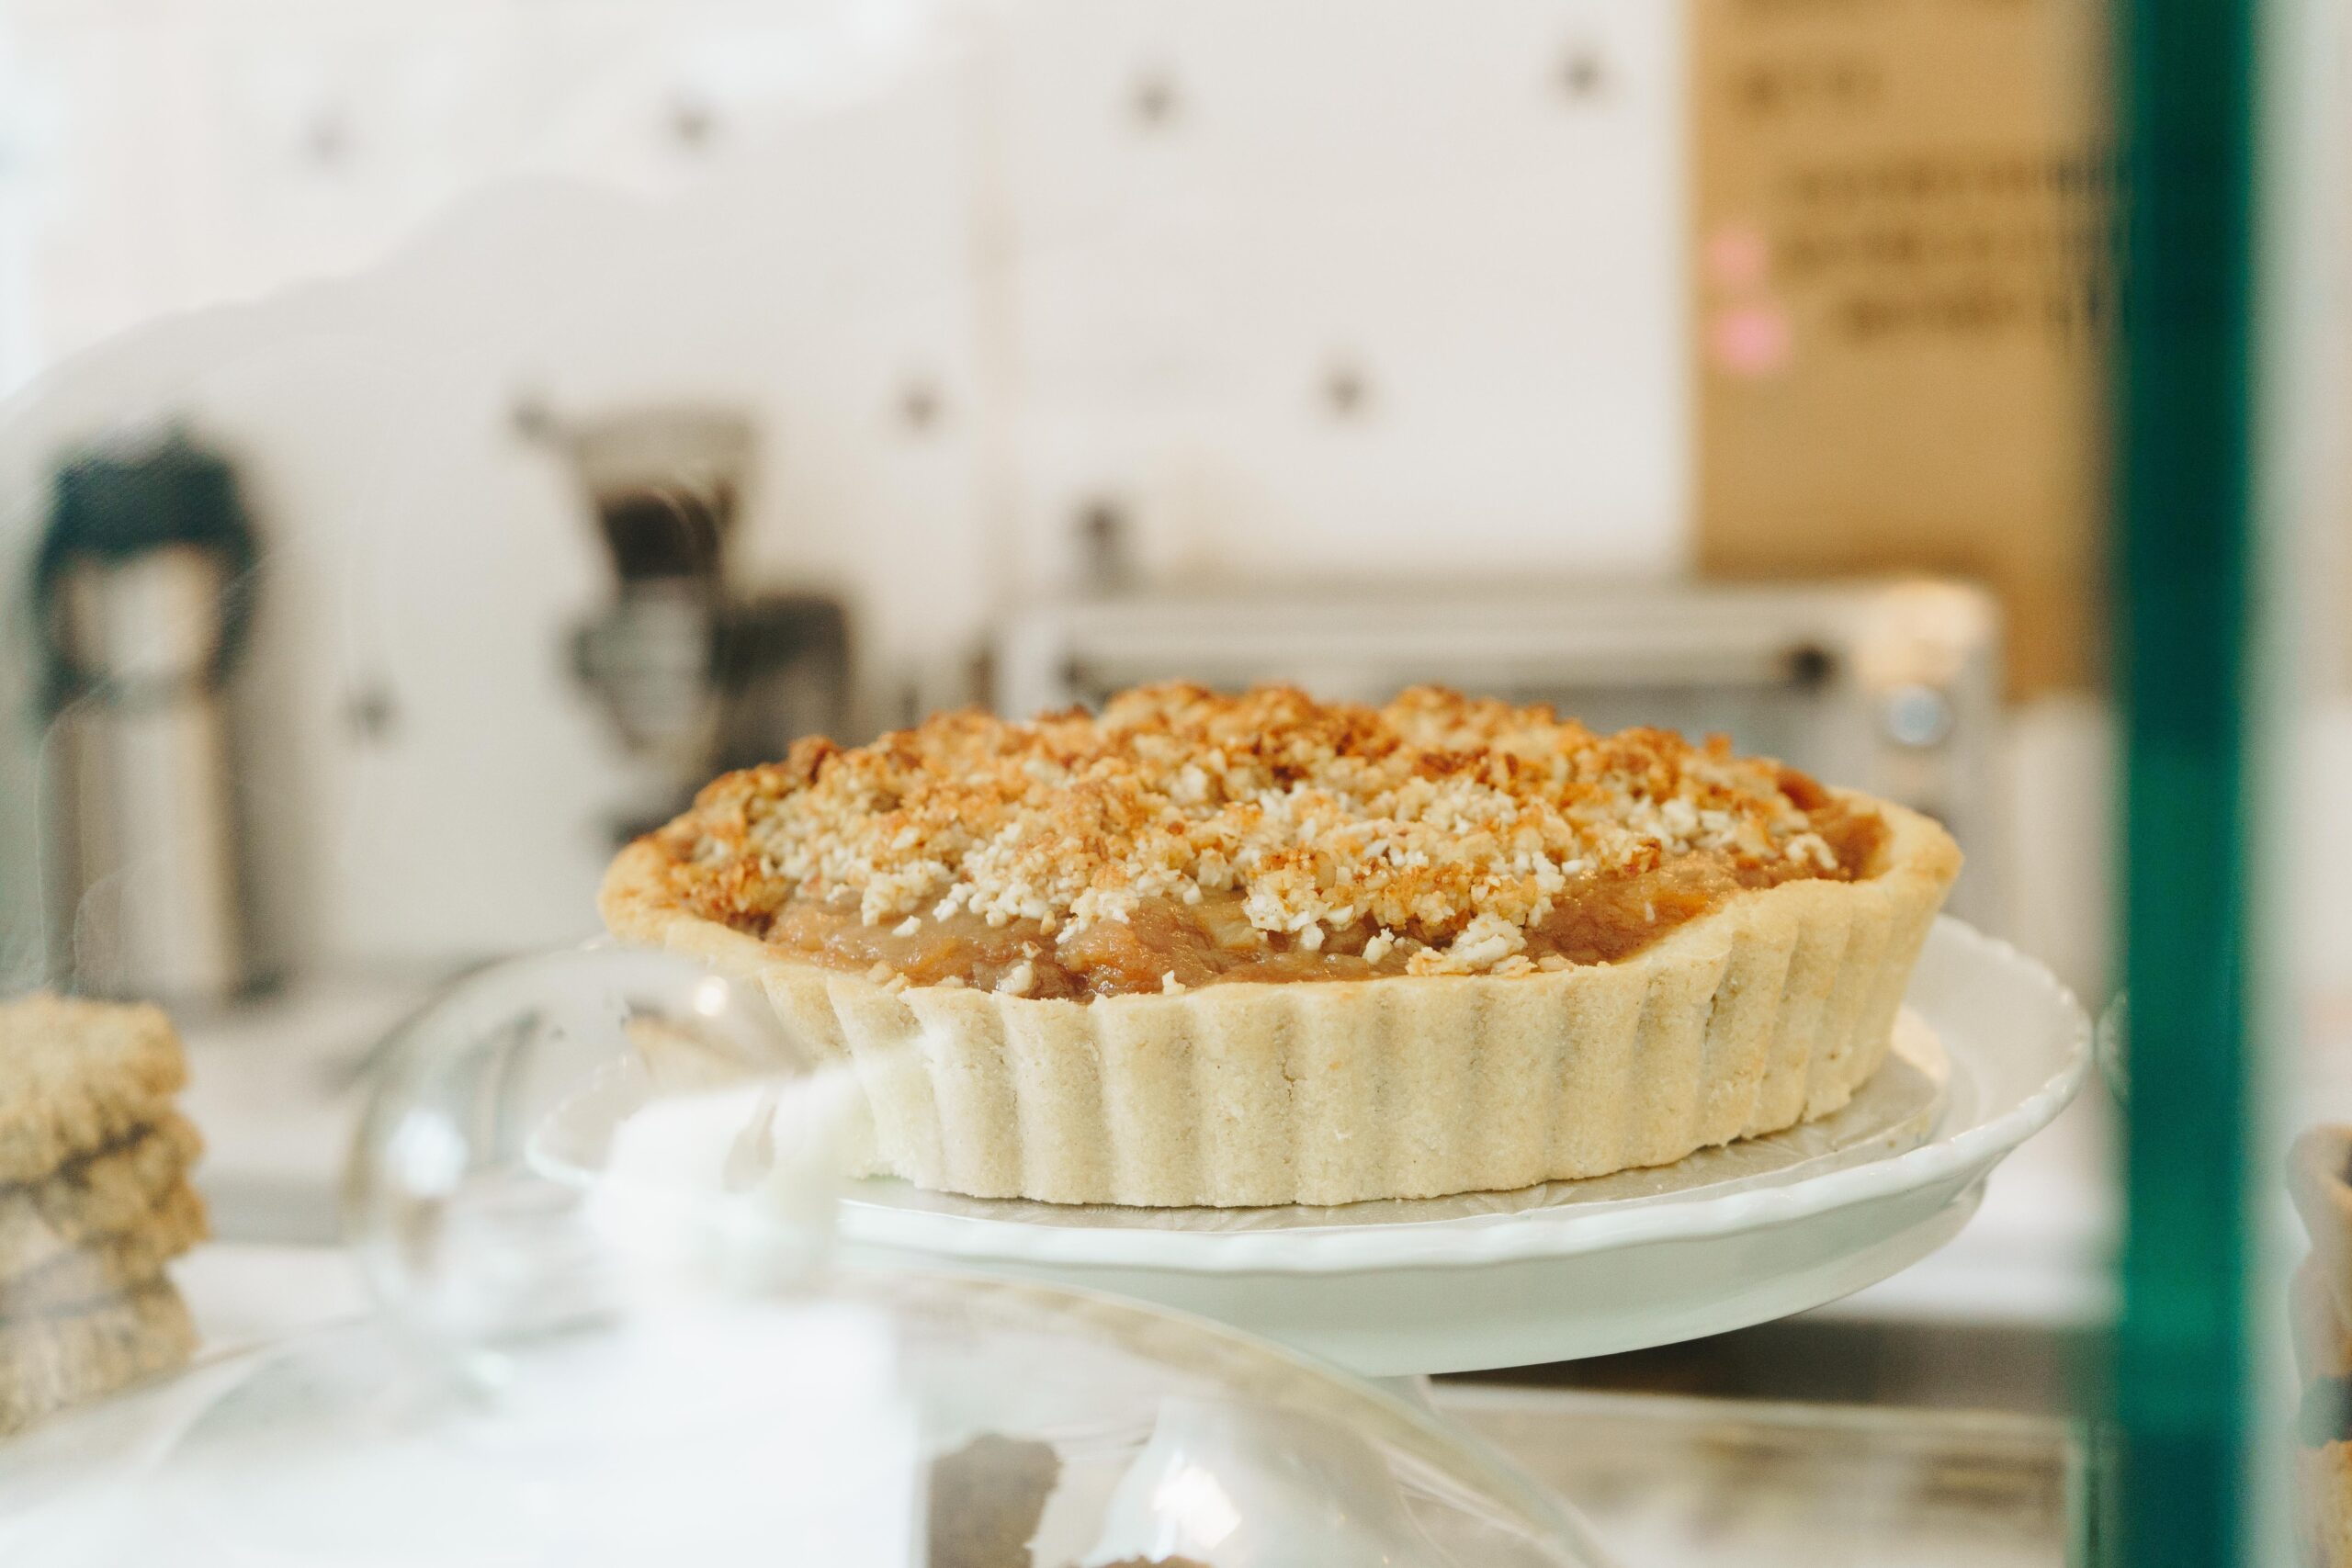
x=1992 y=1048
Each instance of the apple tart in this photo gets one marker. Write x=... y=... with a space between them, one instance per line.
x=1206 y=949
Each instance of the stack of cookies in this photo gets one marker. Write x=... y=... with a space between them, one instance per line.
x=95 y=1200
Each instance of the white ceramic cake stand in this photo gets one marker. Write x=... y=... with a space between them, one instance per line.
x=1393 y=1289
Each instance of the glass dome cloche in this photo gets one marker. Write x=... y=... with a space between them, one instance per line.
x=591 y=1195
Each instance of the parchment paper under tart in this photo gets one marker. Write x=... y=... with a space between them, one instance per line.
x=1768 y=1010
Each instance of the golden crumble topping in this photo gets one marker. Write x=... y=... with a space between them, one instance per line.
x=1263 y=835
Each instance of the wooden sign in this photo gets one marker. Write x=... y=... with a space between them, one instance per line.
x=1897 y=254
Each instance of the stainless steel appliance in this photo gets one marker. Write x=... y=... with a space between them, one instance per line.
x=1891 y=687
x=694 y=675
x=143 y=586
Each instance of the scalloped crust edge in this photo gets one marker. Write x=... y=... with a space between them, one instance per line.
x=1768 y=1010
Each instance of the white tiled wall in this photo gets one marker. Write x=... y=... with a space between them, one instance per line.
x=1306 y=293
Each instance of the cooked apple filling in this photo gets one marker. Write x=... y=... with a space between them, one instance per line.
x=1184 y=839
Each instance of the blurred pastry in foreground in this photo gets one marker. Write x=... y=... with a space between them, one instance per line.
x=77 y=1077
x=80 y=1265
x=2319 y=1311
x=95 y=1200
x=985 y=1500
x=50 y=1362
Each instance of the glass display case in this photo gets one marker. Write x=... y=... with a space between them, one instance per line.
x=438 y=440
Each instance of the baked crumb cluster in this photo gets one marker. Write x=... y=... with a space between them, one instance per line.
x=1444 y=827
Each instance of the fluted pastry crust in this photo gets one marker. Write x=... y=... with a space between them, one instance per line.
x=1769 y=1010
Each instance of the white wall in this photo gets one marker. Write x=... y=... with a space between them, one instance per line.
x=1397 y=194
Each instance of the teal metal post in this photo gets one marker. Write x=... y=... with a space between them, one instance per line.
x=2184 y=535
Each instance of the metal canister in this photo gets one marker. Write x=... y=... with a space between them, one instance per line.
x=143 y=587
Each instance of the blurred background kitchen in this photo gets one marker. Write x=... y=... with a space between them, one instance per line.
x=440 y=436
